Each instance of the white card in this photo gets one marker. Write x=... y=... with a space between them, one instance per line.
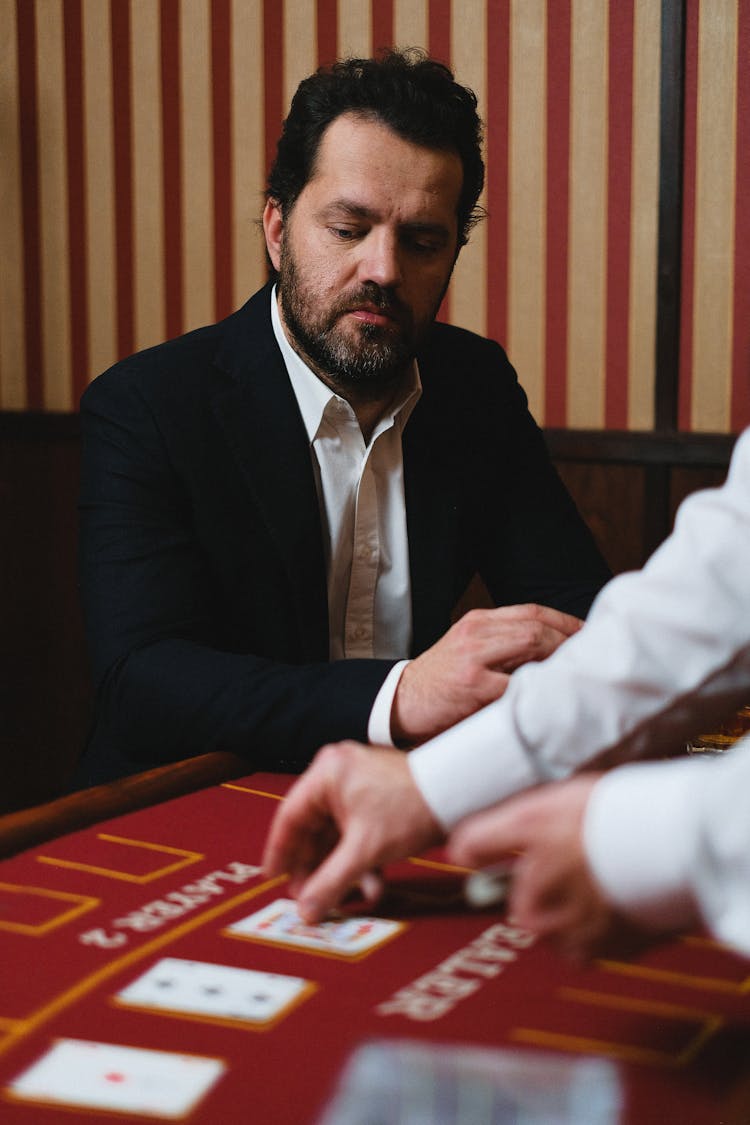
x=223 y=992
x=347 y=936
x=77 y=1072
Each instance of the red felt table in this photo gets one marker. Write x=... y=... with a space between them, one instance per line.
x=85 y=913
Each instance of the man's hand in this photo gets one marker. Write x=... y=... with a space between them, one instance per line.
x=552 y=892
x=354 y=809
x=469 y=667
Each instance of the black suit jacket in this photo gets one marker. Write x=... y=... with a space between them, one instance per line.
x=202 y=569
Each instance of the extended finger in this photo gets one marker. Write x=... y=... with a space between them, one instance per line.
x=329 y=884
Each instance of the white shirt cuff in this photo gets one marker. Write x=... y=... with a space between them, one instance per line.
x=472 y=765
x=379 y=724
x=637 y=842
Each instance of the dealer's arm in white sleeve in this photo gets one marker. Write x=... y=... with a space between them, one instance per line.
x=669 y=843
x=664 y=651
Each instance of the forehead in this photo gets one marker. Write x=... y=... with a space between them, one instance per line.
x=365 y=159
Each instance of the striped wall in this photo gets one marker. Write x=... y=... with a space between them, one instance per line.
x=135 y=136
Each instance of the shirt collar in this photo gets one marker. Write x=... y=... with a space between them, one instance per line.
x=312 y=394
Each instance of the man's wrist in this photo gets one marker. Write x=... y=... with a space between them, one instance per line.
x=379 y=731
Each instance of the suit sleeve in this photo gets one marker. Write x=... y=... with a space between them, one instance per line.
x=168 y=686
x=536 y=546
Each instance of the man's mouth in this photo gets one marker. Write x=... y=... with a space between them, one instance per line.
x=372 y=316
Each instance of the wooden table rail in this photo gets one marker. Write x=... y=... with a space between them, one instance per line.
x=29 y=827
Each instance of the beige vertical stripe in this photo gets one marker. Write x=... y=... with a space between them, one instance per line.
x=644 y=215
x=197 y=162
x=247 y=146
x=300 y=45
x=55 y=325
x=588 y=214
x=410 y=23
x=355 y=28
x=469 y=63
x=527 y=197
x=100 y=193
x=12 y=347
x=148 y=175
x=714 y=215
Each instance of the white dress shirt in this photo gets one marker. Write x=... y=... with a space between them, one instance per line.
x=664 y=652
x=363 y=517
x=665 y=838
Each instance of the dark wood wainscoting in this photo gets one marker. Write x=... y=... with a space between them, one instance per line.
x=626 y=485
x=43 y=680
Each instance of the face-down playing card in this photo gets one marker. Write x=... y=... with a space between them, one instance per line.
x=221 y=993
x=345 y=936
x=107 y=1076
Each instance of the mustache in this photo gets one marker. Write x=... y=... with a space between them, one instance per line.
x=374 y=295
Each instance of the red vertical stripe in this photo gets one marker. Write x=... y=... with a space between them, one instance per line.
x=32 y=268
x=172 y=147
x=439 y=30
x=558 y=175
x=77 y=262
x=221 y=110
x=327 y=28
x=620 y=150
x=684 y=417
x=496 y=157
x=273 y=75
x=439 y=47
x=382 y=24
x=740 y=410
x=123 y=159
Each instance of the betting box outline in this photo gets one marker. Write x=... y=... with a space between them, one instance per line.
x=685 y=980
x=708 y=1024
x=128 y=876
x=26 y=1026
x=85 y=903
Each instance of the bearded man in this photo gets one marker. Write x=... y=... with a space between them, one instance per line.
x=279 y=512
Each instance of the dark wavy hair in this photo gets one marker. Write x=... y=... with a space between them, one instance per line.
x=412 y=94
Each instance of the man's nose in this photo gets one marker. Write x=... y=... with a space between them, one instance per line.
x=381 y=259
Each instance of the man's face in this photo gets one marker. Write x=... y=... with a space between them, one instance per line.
x=366 y=254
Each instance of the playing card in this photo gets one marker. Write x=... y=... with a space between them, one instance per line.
x=346 y=936
x=220 y=992
x=77 y=1072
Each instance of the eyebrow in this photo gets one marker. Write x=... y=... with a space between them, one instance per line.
x=360 y=211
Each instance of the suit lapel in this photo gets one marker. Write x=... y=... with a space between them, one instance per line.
x=258 y=414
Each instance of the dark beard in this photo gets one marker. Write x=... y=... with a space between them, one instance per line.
x=367 y=367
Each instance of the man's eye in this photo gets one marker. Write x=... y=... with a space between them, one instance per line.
x=423 y=246
x=344 y=234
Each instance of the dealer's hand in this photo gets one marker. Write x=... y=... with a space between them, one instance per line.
x=354 y=809
x=553 y=892
x=469 y=667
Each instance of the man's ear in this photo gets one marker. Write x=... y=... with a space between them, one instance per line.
x=273 y=229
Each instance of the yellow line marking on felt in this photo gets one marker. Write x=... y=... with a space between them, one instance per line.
x=582 y=1045
x=709 y=1023
x=84 y=904
x=126 y=876
x=669 y=976
x=255 y=792
x=89 y=983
